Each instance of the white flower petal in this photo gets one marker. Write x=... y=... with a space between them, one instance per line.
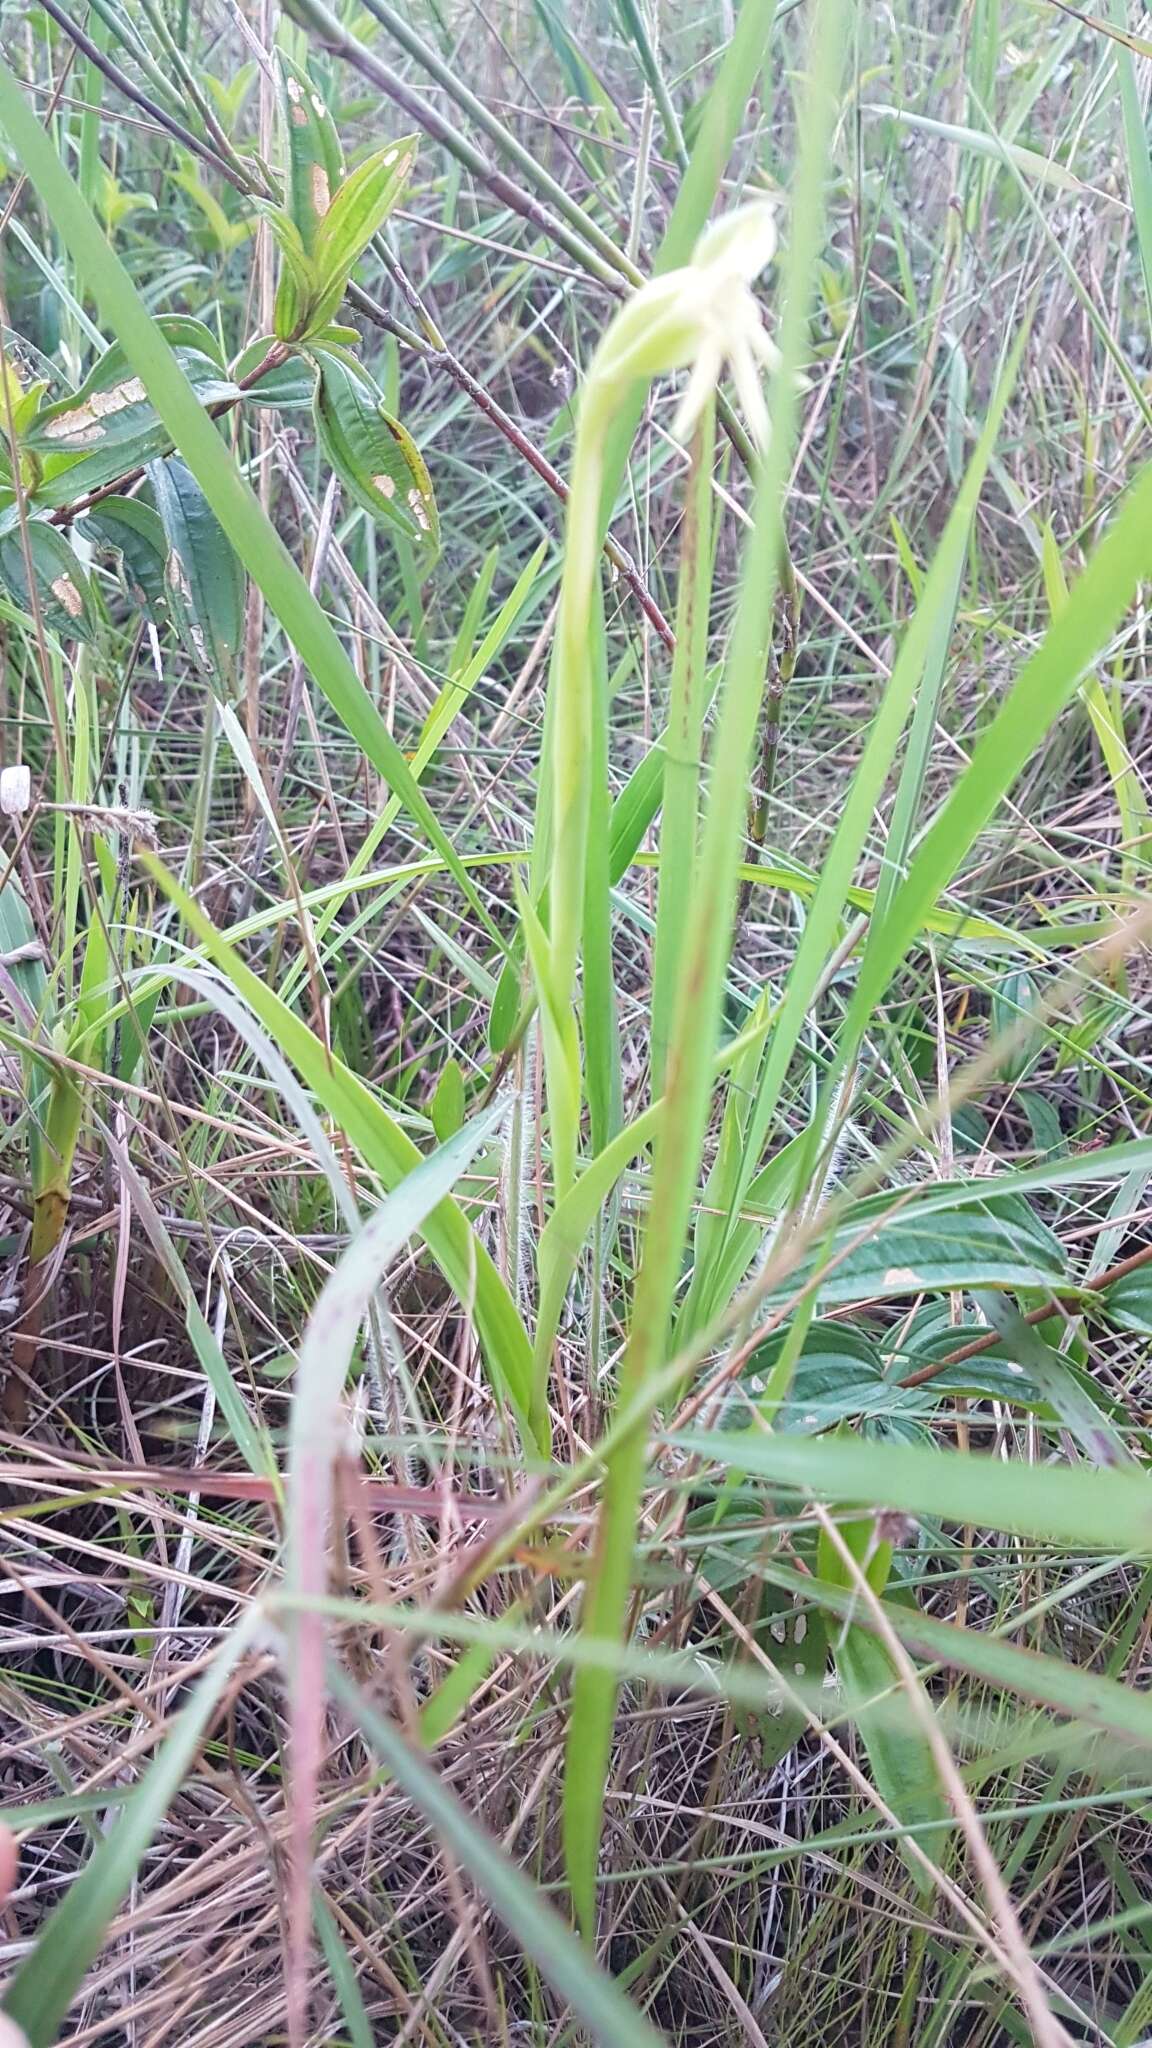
x=741 y=243
x=750 y=391
x=699 y=388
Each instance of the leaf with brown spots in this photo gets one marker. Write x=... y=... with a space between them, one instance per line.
x=63 y=594
x=375 y=458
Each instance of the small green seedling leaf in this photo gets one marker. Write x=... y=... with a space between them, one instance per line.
x=203 y=575
x=1128 y=1303
x=290 y=387
x=297 y=288
x=61 y=587
x=1014 y=1001
x=375 y=458
x=448 y=1102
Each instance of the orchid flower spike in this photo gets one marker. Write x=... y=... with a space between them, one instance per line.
x=700 y=318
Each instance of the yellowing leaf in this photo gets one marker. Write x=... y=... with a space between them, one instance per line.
x=358 y=210
x=375 y=458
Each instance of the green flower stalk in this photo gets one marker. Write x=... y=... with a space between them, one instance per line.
x=702 y=318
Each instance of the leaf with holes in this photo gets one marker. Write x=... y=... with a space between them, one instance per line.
x=900 y=1756
x=203 y=575
x=377 y=461
x=62 y=591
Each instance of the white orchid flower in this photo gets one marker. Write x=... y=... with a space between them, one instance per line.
x=701 y=318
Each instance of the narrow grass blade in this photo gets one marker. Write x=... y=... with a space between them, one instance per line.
x=40 y=1993
x=1096 y=604
x=1108 y=1510
x=390 y=1153
x=568 y=1965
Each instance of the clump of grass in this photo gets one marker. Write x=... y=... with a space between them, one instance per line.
x=574 y=1004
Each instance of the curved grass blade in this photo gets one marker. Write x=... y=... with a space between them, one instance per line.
x=46 y=1981
x=389 y=1152
x=316 y=1440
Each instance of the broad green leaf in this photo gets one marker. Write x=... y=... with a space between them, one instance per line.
x=1075 y=1505
x=204 y=577
x=901 y=1760
x=448 y=1101
x=1014 y=1002
x=20 y=946
x=995 y=1242
x=375 y=458
x=1128 y=1302
x=134 y=532
x=112 y=407
x=1053 y=1374
x=61 y=587
x=93 y=450
x=358 y=211
x=838 y=1373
